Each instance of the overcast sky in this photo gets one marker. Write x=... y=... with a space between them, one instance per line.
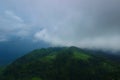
x=81 y=23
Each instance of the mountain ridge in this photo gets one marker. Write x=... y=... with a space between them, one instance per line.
x=62 y=63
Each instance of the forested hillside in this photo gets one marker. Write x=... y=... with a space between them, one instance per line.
x=62 y=64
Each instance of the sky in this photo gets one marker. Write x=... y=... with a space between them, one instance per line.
x=93 y=24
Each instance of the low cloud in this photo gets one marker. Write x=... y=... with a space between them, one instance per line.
x=92 y=24
x=97 y=42
x=82 y=23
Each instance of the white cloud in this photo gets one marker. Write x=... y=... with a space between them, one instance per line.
x=100 y=42
x=82 y=23
x=13 y=26
x=88 y=24
x=103 y=42
x=12 y=15
x=47 y=37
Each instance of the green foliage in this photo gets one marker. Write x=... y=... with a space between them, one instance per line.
x=36 y=78
x=48 y=58
x=61 y=64
x=82 y=56
x=0 y=70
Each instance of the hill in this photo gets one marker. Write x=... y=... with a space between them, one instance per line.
x=62 y=64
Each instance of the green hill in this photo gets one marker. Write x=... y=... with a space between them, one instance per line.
x=62 y=64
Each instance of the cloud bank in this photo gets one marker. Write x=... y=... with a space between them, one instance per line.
x=81 y=23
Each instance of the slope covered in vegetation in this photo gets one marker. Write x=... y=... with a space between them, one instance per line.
x=62 y=64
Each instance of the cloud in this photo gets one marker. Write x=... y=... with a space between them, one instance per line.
x=12 y=26
x=3 y=39
x=99 y=42
x=82 y=23
x=88 y=24
x=12 y=15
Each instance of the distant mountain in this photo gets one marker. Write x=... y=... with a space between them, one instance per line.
x=62 y=64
